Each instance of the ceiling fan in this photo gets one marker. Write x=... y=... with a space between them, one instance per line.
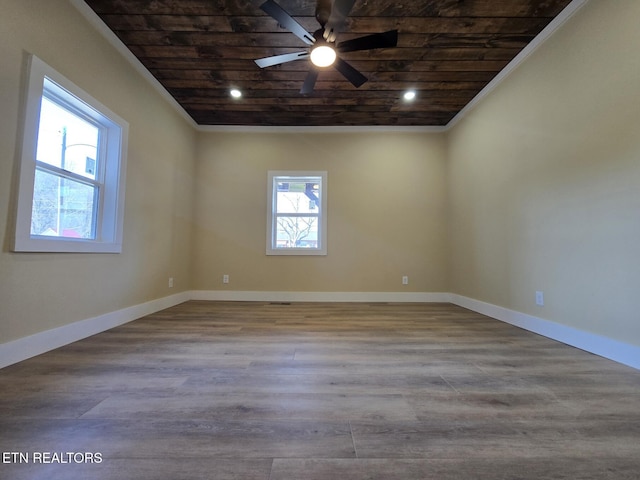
x=323 y=51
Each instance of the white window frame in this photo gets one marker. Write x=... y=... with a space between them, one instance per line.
x=111 y=163
x=277 y=175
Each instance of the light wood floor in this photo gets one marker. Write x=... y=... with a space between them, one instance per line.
x=262 y=391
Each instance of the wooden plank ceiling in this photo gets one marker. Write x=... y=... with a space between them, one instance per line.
x=448 y=50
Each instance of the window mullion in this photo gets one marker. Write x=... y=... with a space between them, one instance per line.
x=299 y=215
x=67 y=174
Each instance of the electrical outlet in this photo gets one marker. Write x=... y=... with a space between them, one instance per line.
x=540 y=299
x=405 y=280
x=170 y=282
x=225 y=278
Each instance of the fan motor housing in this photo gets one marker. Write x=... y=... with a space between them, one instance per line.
x=323 y=12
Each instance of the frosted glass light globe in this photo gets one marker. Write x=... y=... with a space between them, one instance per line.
x=323 y=56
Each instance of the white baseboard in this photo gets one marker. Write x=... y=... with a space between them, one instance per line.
x=255 y=296
x=27 y=347
x=597 y=344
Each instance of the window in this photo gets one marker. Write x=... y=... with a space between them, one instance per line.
x=71 y=190
x=297 y=221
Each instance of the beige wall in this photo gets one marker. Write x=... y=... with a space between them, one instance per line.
x=544 y=180
x=43 y=291
x=386 y=212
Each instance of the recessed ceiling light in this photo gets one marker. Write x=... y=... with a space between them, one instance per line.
x=410 y=95
x=235 y=93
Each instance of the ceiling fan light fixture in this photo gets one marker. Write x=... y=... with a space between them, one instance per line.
x=323 y=56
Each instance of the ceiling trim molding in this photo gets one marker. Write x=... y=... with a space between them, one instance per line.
x=321 y=129
x=519 y=59
x=113 y=39
x=545 y=34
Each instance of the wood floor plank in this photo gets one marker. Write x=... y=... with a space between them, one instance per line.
x=489 y=438
x=317 y=383
x=509 y=406
x=180 y=439
x=252 y=406
x=158 y=468
x=573 y=468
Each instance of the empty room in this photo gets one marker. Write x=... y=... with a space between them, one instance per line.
x=224 y=259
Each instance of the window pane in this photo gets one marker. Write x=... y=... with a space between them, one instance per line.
x=62 y=207
x=296 y=232
x=67 y=141
x=298 y=197
x=296 y=221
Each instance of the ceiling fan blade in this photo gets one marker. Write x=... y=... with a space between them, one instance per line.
x=377 y=40
x=350 y=73
x=337 y=19
x=309 y=82
x=278 y=59
x=287 y=21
